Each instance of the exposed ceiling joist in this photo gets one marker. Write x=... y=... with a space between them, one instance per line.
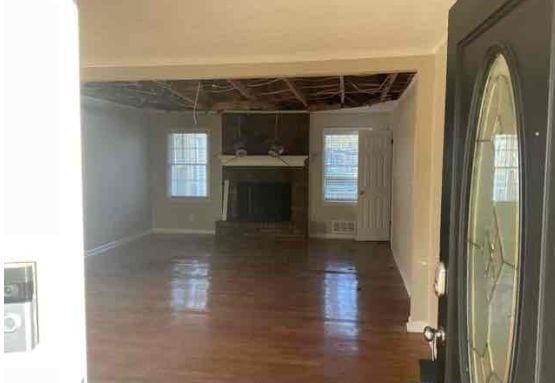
x=242 y=89
x=342 y=89
x=298 y=95
x=273 y=93
x=388 y=83
x=179 y=95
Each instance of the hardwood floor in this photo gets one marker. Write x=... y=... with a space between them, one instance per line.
x=197 y=309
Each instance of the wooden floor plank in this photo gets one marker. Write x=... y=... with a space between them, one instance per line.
x=198 y=309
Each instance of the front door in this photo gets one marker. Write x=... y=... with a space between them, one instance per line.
x=495 y=213
x=374 y=185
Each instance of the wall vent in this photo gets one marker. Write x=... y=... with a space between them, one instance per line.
x=343 y=227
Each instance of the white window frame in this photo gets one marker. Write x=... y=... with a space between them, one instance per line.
x=335 y=131
x=169 y=166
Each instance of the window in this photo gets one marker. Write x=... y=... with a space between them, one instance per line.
x=340 y=166
x=505 y=176
x=188 y=164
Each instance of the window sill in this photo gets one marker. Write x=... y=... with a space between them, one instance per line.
x=192 y=200
x=338 y=203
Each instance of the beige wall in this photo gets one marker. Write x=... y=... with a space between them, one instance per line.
x=321 y=213
x=184 y=214
x=416 y=228
x=404 y=123
x=116 y=187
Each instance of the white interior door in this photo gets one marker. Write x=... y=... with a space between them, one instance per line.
x=374 y=185
x=40 y=186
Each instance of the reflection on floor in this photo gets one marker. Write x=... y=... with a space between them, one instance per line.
x=199 y=309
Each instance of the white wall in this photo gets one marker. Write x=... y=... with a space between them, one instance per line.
x=321 y=212
x=184 y=214
x=116 y=187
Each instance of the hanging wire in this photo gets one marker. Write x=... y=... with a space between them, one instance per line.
x=195 y=106
x=276 y=127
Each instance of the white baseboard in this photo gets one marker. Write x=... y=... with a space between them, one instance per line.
x=331 y=236
x=113 y=244
x=160 y=230
x=416 y=326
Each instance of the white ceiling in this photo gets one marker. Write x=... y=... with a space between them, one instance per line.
x=128 y=33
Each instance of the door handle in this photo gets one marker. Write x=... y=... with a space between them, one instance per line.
x=361 y=192
x=434 y=337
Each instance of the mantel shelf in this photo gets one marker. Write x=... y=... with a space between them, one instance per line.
x=283 y=161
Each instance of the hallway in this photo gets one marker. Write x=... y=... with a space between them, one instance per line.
x=197 y=309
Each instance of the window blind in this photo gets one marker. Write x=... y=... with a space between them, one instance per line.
x=340 y=167
x=188 y=164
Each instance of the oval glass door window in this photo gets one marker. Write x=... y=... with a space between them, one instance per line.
x=493 y=238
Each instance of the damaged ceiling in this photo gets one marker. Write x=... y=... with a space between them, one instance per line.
x=298 y=93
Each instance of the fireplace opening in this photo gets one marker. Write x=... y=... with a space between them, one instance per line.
x=264 y=201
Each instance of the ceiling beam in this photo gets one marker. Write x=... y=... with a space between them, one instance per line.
x=242 y=89
x=298 y=95
x=388 y=82
x=342 y=89
x=171 y=89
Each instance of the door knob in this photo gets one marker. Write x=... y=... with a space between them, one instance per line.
x=361 y=192
x=434 y=337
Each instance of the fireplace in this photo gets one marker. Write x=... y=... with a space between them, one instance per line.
x=264 y=201
x=264 y=195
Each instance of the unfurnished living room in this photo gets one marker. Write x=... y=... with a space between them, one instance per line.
x=251 y=244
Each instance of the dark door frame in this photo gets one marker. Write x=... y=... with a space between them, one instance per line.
x=468 y=20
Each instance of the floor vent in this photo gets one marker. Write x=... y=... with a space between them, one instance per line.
x=343 y=227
